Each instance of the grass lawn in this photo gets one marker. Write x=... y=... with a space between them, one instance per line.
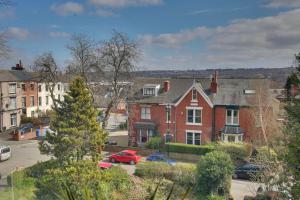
x=25 y=193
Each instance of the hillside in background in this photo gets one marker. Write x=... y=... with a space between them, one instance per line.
x=278 y=75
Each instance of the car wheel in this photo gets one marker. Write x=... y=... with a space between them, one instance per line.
x=234 y=176
x=132 y=162
x=112 y=160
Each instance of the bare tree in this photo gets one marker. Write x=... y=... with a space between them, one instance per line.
x=82 y=49
x=117 y=56
x=48 y=71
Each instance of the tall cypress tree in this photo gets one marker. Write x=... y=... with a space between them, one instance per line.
x=78 y=132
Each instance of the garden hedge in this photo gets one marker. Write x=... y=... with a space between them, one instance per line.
x=189 y=149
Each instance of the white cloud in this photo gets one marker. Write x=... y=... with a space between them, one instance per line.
x=175 y=40
x=283 y=3
x=104 y=13
x=57 y=34
x=17 y=33
x=247 y=42
x=67 y=8
x=125 y=3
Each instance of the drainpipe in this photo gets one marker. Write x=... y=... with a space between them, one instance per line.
x=213 y=136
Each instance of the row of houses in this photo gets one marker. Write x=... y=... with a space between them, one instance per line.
x=198 y=111
x=22 y=93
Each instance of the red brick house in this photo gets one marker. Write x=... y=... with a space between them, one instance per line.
x=193 y=111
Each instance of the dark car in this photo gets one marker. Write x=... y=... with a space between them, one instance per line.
x=248 y=171
x=160 y=157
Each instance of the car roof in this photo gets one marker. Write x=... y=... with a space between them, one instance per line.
x=157 y=154
x=129 y=151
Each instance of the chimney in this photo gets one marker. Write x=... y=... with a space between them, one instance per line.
x=214 y=83
x=18 y=66
x=166 y=86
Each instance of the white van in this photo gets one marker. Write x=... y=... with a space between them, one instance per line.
x=5 y=152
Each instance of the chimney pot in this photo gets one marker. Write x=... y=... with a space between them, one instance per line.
x=166 y=86
x=214 y=83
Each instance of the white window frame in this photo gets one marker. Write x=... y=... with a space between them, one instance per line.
x=194 y=95
x=40 y=101
x=147 y=89
x=23 y=98
x=31 y=102
x=239 y=138
x=15 y=120
x=232 y=116
x=194 y=115
x=168 y=118
x=193 y=132
x=12 y=88
x=145 y=115
x=149 y=132
x=13 y=103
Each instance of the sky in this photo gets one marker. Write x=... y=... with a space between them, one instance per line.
x=171 y=34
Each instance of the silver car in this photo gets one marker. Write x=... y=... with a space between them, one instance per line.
x=5 y=152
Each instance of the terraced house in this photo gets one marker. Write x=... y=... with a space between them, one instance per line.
x=195 y=111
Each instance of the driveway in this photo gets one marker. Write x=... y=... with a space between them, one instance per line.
x=239 y=188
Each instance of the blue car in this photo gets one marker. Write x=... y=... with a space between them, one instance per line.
x=160 y=157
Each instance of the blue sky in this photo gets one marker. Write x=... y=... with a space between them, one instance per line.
x=172 y=34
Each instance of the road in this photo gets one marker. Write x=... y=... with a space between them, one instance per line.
x=24 y=154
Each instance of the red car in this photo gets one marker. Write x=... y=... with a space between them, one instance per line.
x=126 y=156
x=104 y=165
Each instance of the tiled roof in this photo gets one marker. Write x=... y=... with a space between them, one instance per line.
x=16 y=75
x=230 y=91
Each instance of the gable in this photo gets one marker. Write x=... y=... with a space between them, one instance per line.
x=200 y=91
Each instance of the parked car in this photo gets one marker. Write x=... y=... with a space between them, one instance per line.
x=160 y=157
x=248 y=171
x=111 y=142
x=5 y=152
x=104 y=165
x=125 y=156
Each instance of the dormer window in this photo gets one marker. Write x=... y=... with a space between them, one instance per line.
x=150 y=90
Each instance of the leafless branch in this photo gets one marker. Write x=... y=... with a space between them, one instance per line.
x=48 y=71
x=117 y=56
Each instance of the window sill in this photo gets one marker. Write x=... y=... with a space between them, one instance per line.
x=194 y=124
x=232 y=124
x=194 y=101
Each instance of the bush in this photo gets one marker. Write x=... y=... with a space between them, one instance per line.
x=237 y=152
x=34 y=120
x=182 y=174
x=190 y=149
x=214 y=171
x=154 y=143
x=19 y=179
x=84 y=180
x=263 y=153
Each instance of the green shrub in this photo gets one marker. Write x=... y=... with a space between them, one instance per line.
x=19 y=179
x=263 y=153
x=185 y=174
x=190 y=149
x=214 y=171
x=237 y=152
x=154 y=170
x=182 y=174
x=154 y=143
